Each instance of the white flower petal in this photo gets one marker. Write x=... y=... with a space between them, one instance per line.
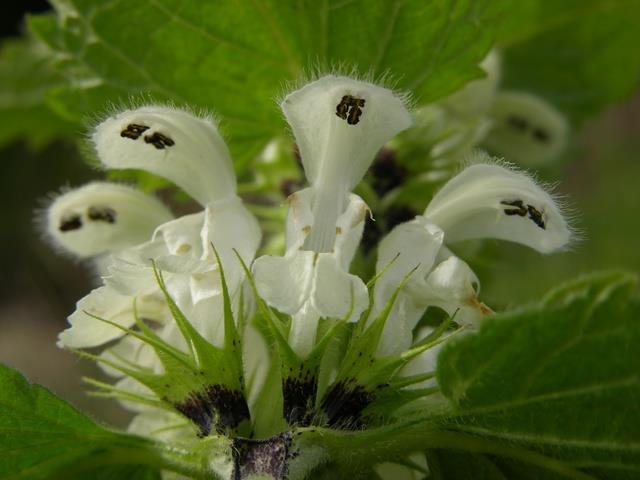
x=256 y=362
x=334 y=290
x=207 y=317
x=425 y=362
x=527 y=129
x=339 y=125
x=103 y=302
x=299 y=218
x=349 y=225
x=452 y=286
x=172 y=143
x=491 y=201
x=132 y=350
x=130 y=276
x=229 y=226
x=157 y=424
x=349 y=228
x=410 y=245
x=182 y=236
x=103 y=217
x=128 y=384
x=304 y=328
x=285 y=282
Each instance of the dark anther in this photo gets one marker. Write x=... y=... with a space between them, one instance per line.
x=541 y=135
x=133 y=131
x=536 y=216
x=342 y=109
x=518 y=123
x=350 y=109
x=356 y=111
x=520 y=209
x=159 y=140
x=102 y=214
x=72 y=222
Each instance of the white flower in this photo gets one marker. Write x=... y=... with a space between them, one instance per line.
x=189 y=151
x=310 y=285
x=526 y=129
x=339 y=125
x=103 y=217
x=483 y=201
x=491 y=201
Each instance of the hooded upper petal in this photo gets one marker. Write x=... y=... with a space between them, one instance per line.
x=103 y=217
x=492 y=201
x=339 y=124
x=171 y=143
x=526 y=129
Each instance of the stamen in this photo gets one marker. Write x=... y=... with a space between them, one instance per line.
x=350 y=109
x=133 y=131
x=522 y=210
x=73 y=222
x=102 y=214
x=536 y=216
x=518 y=122
x=159 y=140
x=541 y=135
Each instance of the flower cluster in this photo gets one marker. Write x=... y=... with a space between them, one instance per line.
x=206 y=340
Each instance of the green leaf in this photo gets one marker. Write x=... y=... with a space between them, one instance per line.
x=25 y=78
x=562 y=378
x=42 y=437
x=582 y=55
x=235 y=58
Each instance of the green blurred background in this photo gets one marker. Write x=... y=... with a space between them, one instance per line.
x=599 y=177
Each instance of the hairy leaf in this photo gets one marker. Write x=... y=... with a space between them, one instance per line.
x=42 y=437
x=562 y=378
